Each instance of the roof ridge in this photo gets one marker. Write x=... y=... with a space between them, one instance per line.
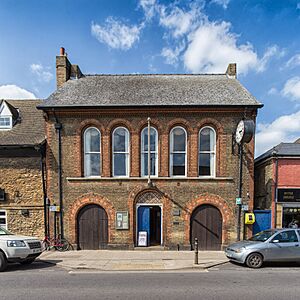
x=162 y=74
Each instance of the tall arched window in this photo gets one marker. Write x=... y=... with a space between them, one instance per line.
x=207 y=152
x=178 y=152
x=92 y=152
x=153 y=151
x=120 y=143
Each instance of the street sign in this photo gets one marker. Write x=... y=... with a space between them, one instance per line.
x=54 y=208
x=245 y=207
x=238 y=201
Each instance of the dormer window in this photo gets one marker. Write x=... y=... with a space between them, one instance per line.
x=6 y=122
x=8 y=115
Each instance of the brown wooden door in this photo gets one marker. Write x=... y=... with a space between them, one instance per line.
x=206 y=226
x=92 y=228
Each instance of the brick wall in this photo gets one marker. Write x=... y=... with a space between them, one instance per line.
x=183 y=194
x=288 y=173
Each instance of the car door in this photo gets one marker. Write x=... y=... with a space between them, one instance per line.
x=284 y=246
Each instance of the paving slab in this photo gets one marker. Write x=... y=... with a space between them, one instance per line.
x=133 y=260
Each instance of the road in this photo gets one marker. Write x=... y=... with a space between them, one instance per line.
x=45 y=281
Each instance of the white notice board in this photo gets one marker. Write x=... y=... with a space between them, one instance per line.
x=142 y=241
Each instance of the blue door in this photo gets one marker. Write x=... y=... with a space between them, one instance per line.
x=144 y=220
x=262 y=220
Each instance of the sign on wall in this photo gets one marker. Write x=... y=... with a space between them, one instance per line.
x=122 y=220
x=288 y=195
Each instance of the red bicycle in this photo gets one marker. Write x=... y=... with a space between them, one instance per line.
x=58 y=243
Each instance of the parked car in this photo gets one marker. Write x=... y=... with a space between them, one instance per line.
x=274 y=245
x=16 y=248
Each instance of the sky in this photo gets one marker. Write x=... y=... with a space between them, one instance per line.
x=156 y=36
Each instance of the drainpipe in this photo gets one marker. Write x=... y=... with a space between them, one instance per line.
x=46 y=224
x=275 y=187
x=58 y=128
x=239 y=212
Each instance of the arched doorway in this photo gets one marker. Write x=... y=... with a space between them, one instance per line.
x=206 y=226
x=92 y=225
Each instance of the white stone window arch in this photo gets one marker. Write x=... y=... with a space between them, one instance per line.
x=178 y=147
x=120 y=146
x=92 y=152
x=153 y=152
x=207 y=152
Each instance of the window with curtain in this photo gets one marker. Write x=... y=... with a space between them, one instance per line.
x=153 y=152
x=120 y=143
x=92 y=152
x=178 y=152
x=207 y=151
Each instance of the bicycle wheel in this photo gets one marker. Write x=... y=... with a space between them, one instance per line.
x=62 y=245
x=45 y=245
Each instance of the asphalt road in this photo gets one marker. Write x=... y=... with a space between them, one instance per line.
x=44 y=281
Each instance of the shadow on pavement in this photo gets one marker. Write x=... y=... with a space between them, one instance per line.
x=271 y=265
x=36 y=265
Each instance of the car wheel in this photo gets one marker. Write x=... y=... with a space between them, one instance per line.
x=254 y=260
x=27 y=261
x=3 y=262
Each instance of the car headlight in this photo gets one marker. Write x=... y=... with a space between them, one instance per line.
x=16 y=244
x=240 y=250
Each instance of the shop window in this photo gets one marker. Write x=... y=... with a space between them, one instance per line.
x=178 y=152
x=207 y=152
x=92 y=152
x=153 y=152
x=120 y=145
x=3 y=219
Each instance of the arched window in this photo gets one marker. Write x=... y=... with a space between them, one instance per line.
x=92 y=152
x=120 y=143
x=207 y=152
x=153 y=151
x=178 y=152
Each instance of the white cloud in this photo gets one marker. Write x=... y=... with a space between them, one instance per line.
x=292 y=88
x=272 y=91
x=42 y=73
x=271 y=52
x=149 y=7
x=293 y=61
x=172 y=55
x=116 y=34
x=12 y=91
x=223 y=3
x=284 y=129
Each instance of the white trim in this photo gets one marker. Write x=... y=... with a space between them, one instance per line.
x=127 y=153
x=137 y=223
x=171 y=152
x=85 y=152
x=151 y=152
x=213 y=152
x=4 y=217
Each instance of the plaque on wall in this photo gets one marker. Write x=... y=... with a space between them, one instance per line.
x=288 y=195
x=122 y=220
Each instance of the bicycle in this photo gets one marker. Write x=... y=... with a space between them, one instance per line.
x=58 y=243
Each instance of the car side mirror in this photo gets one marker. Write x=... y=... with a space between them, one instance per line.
x=275 y=241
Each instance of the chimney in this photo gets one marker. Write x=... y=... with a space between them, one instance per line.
x=231 y=70
x=64 y=69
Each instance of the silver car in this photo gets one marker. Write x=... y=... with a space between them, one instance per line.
x=276 y=245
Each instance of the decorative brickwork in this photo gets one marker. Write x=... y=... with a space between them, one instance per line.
x=79 y=203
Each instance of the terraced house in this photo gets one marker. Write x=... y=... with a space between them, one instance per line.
x=97 y=129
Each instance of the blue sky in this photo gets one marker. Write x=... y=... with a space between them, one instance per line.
x=155 y=36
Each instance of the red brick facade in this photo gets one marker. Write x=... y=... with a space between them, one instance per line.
x=123 y=194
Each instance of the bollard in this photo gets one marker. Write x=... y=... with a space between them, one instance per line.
x=196 y=251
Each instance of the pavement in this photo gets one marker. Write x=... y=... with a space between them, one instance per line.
x=134 y=260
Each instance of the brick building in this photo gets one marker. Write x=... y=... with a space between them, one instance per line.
x=277 y=183
x=97 y=157
x=22 y=141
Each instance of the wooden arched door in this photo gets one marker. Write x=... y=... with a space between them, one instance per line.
x=206 y=226
x=92 y=225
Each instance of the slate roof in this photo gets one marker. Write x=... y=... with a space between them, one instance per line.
x=151 y=90
x=29 y=131
x=283 y=149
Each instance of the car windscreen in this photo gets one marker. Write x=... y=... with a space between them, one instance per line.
x=4 y=231
x=262 y=236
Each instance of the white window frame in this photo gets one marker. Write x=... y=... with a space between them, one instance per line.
x=10 y=122
x=143 y=152
x=127 y=153
x=93 y=152
x=4 y=217
x=171 y=152
x=212 y=152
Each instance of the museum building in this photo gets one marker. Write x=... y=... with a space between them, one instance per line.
x=106 y=132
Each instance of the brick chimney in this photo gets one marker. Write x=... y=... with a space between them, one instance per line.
x=64 y=69
x=231 y=70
